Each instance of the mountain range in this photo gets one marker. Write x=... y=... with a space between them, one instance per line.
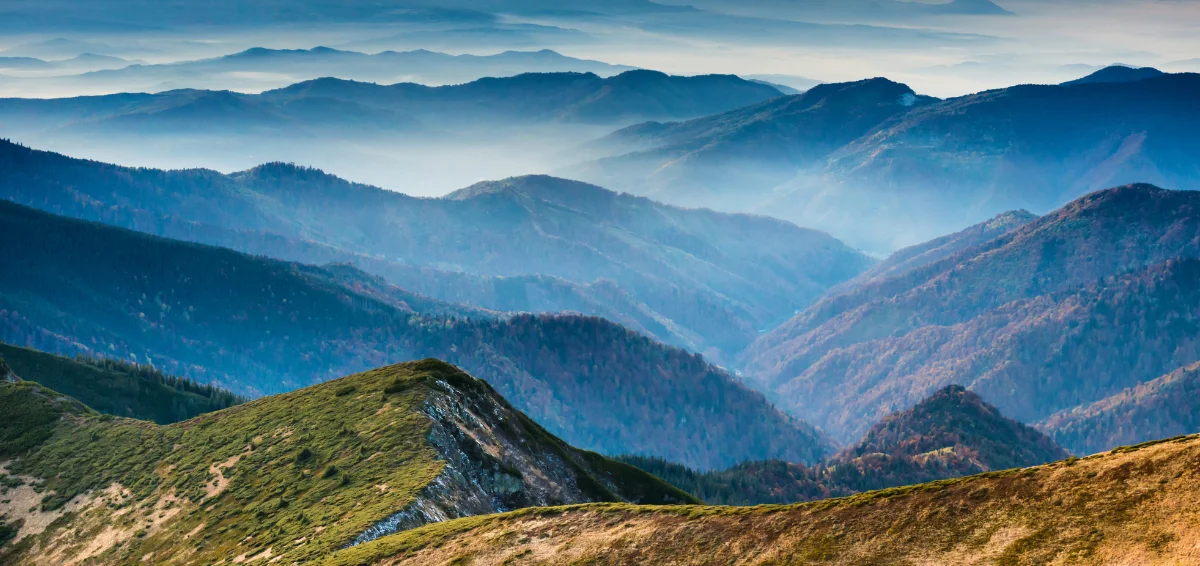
x=409 y=137
x=697 y=279
x=884 y=168
x=258 y=69
x=531 y=97
x=953 y=433
x=1054 y=315
x=257 y=325
x=297 y=475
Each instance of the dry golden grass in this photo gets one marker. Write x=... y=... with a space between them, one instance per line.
x=1138 y=505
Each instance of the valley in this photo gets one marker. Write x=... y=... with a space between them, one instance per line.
x=525 y=282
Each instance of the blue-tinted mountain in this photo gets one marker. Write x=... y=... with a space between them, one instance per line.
x=698 y=279
x=703 y=161
x=312 y=106
x=1118 y=74
x=259 y=69
x=920 y=172
x=257 y=325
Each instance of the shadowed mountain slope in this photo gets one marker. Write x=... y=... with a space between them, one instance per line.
x=704 y=281
x=1158 y=408
x=257 y=325
x=1060 y=313
x=951 y=434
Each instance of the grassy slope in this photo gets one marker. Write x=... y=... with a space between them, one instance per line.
x=110 y=392
x=297 y=475
x=1137 y=505
x=283 y=487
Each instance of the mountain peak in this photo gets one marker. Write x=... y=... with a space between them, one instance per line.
x=1118 y=74
x=957 y=420
x=339 y=463
x=533 y=185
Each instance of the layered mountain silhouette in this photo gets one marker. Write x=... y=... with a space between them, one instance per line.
x=913 y=257
x=305 y=107
x=884 y=176
x=257 y=325
x=1118 y=74
x=952 y=433
x=701 y=161
x=259 y=69
x=1057 y=314
x=697 y=279
x=331 y=466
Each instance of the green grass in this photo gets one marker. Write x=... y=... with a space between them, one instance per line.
x=280 y=491
x=111 y=391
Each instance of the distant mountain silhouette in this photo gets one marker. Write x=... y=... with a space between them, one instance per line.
x=885 y=177
x=1118 y=74
x=259 y=69
x=314 y=106
x=693 y=162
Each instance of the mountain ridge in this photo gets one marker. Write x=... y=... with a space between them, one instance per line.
x=676 y=278
x=335 y=465
x=1120 y=506
x=1031 y=311
x=259 y=325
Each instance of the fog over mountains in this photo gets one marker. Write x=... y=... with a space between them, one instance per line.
x=913 y=167
x=367 y=282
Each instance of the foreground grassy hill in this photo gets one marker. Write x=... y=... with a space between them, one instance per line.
x=1137 y=505
x=294 y=476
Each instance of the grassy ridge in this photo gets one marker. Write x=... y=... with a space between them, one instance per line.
x=1133 y=505
x=290 y=466
x=293 y=476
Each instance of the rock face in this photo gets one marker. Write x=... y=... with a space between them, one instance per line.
x=296 y=475
x=497 y=460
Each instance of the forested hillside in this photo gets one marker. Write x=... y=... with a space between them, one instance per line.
x=1060 y=313
x=263 y=326
x=951 y=434
x=1161 y=408
x=696 y=279
x=118 y=387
